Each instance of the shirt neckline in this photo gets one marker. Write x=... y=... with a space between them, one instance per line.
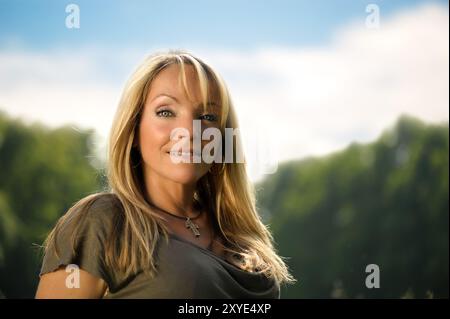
x=209 y=252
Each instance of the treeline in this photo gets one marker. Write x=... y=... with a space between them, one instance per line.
x=384 y=203
x=42 y=173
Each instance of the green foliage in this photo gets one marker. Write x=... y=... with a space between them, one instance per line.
x=384 y=203
x=43 y=172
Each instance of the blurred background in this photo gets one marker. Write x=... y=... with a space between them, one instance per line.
x=349 y=100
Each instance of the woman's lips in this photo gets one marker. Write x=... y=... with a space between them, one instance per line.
x=183 y=154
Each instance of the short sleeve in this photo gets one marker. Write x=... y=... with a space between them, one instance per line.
x=89 y=249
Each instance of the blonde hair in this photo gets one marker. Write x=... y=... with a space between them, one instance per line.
x=229 y=194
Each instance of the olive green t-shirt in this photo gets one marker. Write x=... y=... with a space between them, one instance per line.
x=184 y=270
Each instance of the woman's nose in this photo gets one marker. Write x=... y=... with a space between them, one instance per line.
x=184 y=129
x=186 y=122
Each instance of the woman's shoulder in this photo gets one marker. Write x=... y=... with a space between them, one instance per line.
x=102 y=208
x=80 y=236
x=106 y=202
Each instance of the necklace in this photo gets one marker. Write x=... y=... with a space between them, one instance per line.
x=188 y=223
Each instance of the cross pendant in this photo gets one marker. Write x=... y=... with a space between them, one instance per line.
x=194 y=227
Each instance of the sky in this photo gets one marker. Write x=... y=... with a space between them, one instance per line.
x=222 y=24
x=307 y=77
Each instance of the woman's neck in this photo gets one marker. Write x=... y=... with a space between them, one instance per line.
x=173 y=197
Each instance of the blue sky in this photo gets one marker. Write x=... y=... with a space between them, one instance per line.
x=200 y=23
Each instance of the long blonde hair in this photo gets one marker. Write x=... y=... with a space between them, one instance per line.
x=228 y=193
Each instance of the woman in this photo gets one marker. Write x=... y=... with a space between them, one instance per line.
x=166 y=228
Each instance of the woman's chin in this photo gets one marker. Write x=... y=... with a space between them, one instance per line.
x=184 y=175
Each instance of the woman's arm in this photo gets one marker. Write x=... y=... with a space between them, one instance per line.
x=53 y=286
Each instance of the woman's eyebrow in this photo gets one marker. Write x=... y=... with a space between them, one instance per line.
x=210 y=103
x=165 y=94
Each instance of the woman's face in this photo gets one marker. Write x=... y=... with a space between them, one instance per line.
x=166 y=109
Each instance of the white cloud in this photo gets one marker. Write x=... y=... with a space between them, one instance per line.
x=319 y=99
x=311 y=101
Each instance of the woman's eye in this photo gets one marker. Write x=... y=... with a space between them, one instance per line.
x=209 y=117
x=164 y=113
